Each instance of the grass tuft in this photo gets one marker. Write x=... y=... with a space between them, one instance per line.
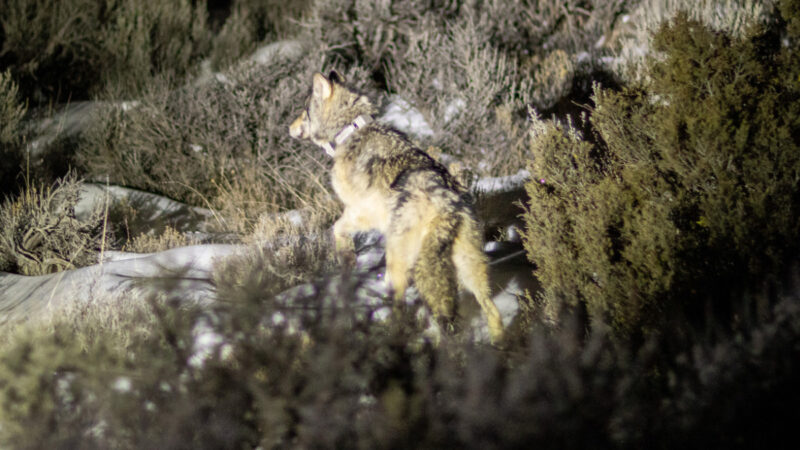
x=41 y=235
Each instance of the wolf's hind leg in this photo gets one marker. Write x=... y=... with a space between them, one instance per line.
x=401 y=252
x=473 y=273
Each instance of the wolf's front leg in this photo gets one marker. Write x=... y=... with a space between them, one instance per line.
x=345 y=249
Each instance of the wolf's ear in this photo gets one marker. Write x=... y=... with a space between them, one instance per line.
x=335 y=77
x=322 y=87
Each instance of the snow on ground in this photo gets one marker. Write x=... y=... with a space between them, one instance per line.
x=68 y=121
x=287 y=49
x=401 y=115
x=497 y=185
x=190 y=268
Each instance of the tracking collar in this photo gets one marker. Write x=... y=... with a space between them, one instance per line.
x=345 y=133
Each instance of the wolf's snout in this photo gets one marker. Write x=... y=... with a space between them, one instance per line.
x=296 y=128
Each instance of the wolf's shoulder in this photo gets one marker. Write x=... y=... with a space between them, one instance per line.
x=385 y=139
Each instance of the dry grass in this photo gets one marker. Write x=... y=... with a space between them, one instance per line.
x=41 y=235
x=170 y=238
x=11 y=110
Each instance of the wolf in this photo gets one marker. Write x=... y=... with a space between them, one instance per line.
x=386 y=183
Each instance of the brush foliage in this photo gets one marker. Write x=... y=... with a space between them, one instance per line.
x=261 y=369
x=12 y=112
x=685 y=194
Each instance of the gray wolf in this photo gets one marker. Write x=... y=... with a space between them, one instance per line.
x=386 y=183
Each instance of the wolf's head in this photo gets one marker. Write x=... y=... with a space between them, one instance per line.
x=330 y=108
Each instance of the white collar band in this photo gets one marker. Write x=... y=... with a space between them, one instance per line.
x=345 y=133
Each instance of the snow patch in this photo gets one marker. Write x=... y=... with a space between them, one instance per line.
x=404 y=117
x=122 y=385
x=206 y=342
x=287 y=50
x=490 y=185
x=453 y=109
x=189 y=269
x=124 y=276
x=70 y=120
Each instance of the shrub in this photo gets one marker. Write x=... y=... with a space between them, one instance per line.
x=469 y=92
x=135 y=377
x=688 y=196
x=68 y=50
x=195 y=143
x=11 y=111
x=39 y=36
x=11 y=114
x=369 y=34
x=250 y=22
x=646 y=17
x=41 y=235
x=139 y=39
x=470 y=68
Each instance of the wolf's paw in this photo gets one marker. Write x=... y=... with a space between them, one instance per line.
x=496 y=333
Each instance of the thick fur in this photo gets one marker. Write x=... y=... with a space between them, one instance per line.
x=388 y=184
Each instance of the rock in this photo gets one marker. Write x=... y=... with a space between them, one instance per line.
x=153 y=213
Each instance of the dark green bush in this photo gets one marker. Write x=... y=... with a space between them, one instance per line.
x=686 y=194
